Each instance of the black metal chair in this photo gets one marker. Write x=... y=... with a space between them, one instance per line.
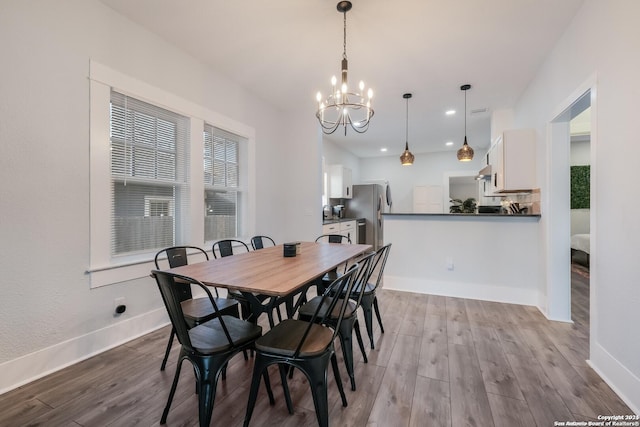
x=250 y=309
x=350 y=320
x=333 y=238
x=226 y=247
x=307 y=346
x=196 y=310
x=258 y=242
x=369 y=300
x=333 y=274
x=208 y=346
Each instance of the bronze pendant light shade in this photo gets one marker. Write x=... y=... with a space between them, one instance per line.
x=407 y=157
x=465 y=154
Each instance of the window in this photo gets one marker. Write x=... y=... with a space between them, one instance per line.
x=222 y=184
x=148 y=174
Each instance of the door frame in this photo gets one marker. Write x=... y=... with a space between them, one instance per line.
x=557 y=232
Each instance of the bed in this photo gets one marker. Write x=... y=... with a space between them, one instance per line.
x=580 y=244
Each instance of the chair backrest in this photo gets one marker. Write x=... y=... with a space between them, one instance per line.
x=341 y=286
x=334 y=238
x=379 y=262
x=170 y=289
x=177 y=256
x=225 y=247
x=257 y=242
x=363 y=277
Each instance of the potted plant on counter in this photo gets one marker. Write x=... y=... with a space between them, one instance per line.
x=458 y=206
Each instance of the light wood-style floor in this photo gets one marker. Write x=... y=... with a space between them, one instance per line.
x=442 y=362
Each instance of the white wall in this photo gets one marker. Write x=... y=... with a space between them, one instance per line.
x=49 y=316
x=601 y=45
x=335 y=155
x=580 y=153
x=427 y=169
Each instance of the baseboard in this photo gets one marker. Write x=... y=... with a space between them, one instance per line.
x=477 y=291
x=622 y=381
x=30 y=367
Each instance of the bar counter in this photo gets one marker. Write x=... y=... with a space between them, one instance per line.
x=493 y=257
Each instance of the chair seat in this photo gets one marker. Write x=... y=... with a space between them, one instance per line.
x=310 y=307
x=284 y=338
x=369 y=289
x=209 y=337
x=200 y=309
x=237 y=295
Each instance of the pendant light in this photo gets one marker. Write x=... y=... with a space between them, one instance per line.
x=465 y=154
x=407 y=158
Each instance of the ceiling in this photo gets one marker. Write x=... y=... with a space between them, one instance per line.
x=286 y=51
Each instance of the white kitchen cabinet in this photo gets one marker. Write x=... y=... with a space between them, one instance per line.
x=349 y=229
x=427 y=199
x=333 y=228
x=340 y=182
x=514 y=161
x=344 y=228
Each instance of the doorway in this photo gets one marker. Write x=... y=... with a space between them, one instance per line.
x=580 y=165
x=558 y=212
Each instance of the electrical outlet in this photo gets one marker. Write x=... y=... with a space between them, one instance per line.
x=449 y=262
x=119 y=305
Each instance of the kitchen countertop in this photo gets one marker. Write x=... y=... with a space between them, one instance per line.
x=465 y=215
x=338 y=220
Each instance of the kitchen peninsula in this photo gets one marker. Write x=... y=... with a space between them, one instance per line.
x=493 y=257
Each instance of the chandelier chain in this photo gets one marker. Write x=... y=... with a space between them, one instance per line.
x=344 y=39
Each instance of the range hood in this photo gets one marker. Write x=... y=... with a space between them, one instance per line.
x=485 y=173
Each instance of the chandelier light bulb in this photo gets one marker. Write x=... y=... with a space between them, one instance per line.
x=361 y=85
x=370 y=93
x=344 y=88
x=334 y=81
x=319 y=97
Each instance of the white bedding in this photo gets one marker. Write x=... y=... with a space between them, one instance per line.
x=580 y=242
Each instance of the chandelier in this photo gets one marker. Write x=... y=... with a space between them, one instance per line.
x=344 y=106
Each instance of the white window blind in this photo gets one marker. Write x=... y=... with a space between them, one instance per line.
x=222 y=186
x=149 y=173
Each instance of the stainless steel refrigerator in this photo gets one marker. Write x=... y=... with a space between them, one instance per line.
x=368 y=202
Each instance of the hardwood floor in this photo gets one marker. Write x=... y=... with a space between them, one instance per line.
x=441 y=362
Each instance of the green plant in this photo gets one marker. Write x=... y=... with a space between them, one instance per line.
x=458 y=206
x=580 y=182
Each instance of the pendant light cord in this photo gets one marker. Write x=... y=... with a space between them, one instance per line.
x=465 y=115
x=407 y=127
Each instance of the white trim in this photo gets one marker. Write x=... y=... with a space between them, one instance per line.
x=621 y=380
x=479 y=291
x=30 y=367
x=557 y=258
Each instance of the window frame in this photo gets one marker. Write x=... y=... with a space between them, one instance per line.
x=212 y=186
x=105 y=269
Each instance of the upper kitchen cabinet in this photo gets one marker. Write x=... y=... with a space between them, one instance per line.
x=514 y=161
x=340 y=182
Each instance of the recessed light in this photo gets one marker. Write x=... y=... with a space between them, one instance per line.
x=450 y=112
x=383 y=149
x=449 y=143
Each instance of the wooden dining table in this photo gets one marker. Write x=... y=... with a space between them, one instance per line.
x=267 y=278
